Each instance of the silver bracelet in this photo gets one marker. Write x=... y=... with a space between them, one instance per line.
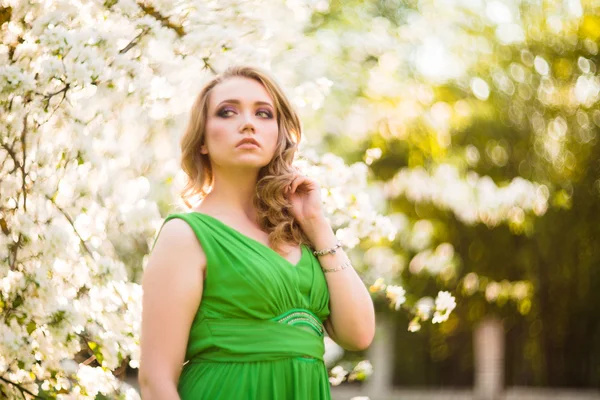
x=345 y=265
x=331 y=250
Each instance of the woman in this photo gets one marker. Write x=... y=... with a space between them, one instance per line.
x=232 y=288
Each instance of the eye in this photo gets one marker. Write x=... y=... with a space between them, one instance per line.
x=264 y=114
x=225 y=112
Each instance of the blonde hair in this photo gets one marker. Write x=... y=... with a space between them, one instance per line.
x=273 y=208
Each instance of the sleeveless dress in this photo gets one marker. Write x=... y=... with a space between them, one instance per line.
x=258 y=333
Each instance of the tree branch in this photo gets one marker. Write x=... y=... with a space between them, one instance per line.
x=14 y=248
x=21 y=389
x=68 y=217
x=49 y=96
x=90 y=360
x=4 y=162
x=24 y=151
x=5 y=14
x=208 y=66
x=135 y=41
x=12 y=155
x=64 y=96
x=15 y=252
x=164 y=21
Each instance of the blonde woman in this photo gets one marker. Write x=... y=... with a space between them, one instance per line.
x=240 y=290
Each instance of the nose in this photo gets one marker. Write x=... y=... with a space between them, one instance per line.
x=247 y=125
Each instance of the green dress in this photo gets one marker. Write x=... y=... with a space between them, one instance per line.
x=258 y=333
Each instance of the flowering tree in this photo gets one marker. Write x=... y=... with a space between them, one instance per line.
x=94 y=96
x=480 y=120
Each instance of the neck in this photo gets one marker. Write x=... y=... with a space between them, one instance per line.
x=233 y=192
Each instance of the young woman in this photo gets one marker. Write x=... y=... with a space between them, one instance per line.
x=241 y=289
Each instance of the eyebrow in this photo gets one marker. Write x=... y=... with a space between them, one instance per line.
x=234 y=101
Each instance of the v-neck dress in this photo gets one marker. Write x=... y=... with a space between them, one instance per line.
x=258 y=333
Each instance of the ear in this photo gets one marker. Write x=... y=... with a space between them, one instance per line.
x=203 y=149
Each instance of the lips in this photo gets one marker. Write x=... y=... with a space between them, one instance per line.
x=247 y=141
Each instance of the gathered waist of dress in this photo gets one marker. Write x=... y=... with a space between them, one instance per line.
x=296 y=333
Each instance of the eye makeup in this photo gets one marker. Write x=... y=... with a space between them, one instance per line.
x=268 y=114
x=227 y=111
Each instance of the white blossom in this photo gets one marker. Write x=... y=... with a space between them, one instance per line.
x=424 y=307
x=333 y=352
x=444 y=304
x=337 y=375
x=396 y=295
x=472 y=198
x=361 y=371
x=414 y=325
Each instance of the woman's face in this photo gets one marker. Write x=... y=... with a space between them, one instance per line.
x=241 y=125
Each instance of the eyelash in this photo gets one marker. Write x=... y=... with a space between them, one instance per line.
x=268 y=113
x=223 y=113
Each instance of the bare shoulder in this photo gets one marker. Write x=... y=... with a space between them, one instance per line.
x=177 y=247
x=172 y=285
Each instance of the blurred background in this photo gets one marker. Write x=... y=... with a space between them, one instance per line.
x=457 y=142
x=453 y=92
x=445 y=92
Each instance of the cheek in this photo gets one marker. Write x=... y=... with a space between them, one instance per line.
x=271 y=130
x=216 y=131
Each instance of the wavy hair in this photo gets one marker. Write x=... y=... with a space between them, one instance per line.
x=273 y=208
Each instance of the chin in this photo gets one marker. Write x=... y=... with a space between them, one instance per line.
x=257 y=164
x=251 y=160
x=247 y=160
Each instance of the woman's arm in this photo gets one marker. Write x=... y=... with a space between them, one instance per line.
x=351 y=323
x=172 y=288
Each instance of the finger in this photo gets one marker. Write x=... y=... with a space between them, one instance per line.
x=288 y=189
x=298 y=180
